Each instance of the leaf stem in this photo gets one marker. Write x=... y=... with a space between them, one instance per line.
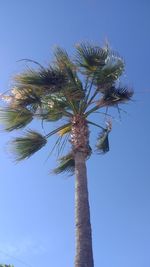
x=57 y=130
x=95 y=124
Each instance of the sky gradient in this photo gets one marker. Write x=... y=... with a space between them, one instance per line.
x=37 y=209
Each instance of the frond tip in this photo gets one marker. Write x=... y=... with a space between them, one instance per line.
x=25 y=146
x=66 y=164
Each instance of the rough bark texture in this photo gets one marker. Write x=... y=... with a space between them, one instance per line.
x=84 y=254
x=80 y=135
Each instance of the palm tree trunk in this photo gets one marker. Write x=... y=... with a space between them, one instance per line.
x=84 y=253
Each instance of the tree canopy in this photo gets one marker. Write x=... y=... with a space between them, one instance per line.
x=83 y=84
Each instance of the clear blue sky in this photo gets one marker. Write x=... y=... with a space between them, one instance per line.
x=36 y=209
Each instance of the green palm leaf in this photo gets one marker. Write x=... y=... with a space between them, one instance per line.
x=16 y=118
x=73 y=89
x=50 y=115
x=89 y=57
x=24 y=147
x=102 y=145
x=49 y=80
x=117 y=95
x=105 y=77
x=62 y=60
x=66 y=164
x=102 y=141
x=64 y=63
x=53 y=108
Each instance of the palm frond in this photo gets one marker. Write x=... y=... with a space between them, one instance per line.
x=55 y=101
x=66 y=164
x=62 y=60
x=52 y=108
x=25 y=97
x=50 y=115
x=102 y=145
x=49 y=80
x=64 y=63
x=73 y=89
x=117 y=95
x=14 y=119
x=25 y=146
x=90 y=57
x=105 y=77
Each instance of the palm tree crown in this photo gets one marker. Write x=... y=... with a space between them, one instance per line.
x=70 y=89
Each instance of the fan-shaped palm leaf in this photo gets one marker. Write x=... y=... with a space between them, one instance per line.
x=73 y=89
x=90 y=57
x=24 y=147
x=16 y=118
x=49 y=80
x=62 y=60
x=66 y=164
x=105 y=77
x=117 y=95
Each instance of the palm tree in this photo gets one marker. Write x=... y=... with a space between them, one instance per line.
x=69 y=91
